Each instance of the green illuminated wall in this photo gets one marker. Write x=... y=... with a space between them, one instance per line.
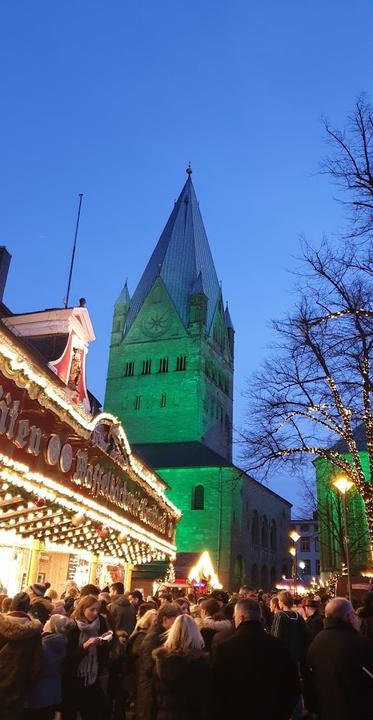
x=331 y=519
x=180 y=405
x=210 y=528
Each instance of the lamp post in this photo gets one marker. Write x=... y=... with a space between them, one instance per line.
x=294 y=536
x=343 y=485
x=302 y=565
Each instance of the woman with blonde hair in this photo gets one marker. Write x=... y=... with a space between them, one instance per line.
x=183 y=674
x=134 y=649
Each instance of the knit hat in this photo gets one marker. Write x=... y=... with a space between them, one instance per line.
x=39 y=588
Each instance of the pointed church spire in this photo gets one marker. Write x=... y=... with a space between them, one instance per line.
x=228 y=319
x=124 y=297
x=181 y=254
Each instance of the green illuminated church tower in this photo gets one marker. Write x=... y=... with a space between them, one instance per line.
x=170 y=380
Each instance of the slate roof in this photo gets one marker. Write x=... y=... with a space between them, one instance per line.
x=181 y=254
x=183 y=454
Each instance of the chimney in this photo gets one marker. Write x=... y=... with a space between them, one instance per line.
x=5 y=259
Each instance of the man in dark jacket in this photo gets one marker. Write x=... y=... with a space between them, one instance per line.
x=122 y=612
x=340 y=662
x=314 y=621
x=20 y=656
x=253 y=673
x=146 y=696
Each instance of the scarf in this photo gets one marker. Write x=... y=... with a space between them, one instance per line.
x=88 y=667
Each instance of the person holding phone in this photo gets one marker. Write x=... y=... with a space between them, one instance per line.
x=86 y=659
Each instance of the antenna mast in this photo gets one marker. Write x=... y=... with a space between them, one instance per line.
x=74 y=248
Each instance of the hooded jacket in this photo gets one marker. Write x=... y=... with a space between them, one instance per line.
x=46 y=689
x=123 y=614
x=209 y=627
x=183 y=685
x=20 y=659
x=290 y=627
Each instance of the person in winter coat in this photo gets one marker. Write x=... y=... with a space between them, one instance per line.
x=365 y=615
x=40 y=607
x=134 y=649
x=253 y=673
x=314 y=621
x=20 y=656
x=340 y=661
x=155 y=637
x=86 y=658
x=183 y=675
x=289 y=626
x=211 y=621
x=46 y=693
x=122 y=612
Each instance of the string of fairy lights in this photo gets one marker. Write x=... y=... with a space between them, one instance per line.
x=35 y=506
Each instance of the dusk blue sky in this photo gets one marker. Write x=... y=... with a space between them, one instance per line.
x=114 y=98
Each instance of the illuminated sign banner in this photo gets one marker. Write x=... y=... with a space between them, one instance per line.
x=98 y=467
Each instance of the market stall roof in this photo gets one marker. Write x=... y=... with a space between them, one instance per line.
x=70 y=477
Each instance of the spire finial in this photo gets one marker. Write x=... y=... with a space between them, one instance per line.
x=189 y=169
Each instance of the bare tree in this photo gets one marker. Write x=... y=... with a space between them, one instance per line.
x=316 y=389
x=351 y=165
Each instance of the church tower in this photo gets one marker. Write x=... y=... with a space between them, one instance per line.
x=170 y=381
x=170 y=374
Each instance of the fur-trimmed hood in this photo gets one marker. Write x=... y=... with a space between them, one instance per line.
x=18 y=628
x=211 y=624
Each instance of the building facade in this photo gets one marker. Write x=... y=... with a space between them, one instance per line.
x=170 y=376
x=308 y=548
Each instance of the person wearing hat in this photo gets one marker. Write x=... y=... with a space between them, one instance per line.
x=40 y=607
x=314 y=620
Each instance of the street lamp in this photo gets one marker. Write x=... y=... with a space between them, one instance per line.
x=294 y=536
x=343 y=485
x=302 y=565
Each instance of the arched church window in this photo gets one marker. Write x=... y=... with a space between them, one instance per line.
x=264 y=532
x=255 y=529
x=198 y=498
x=273 y=535
x=181 y=362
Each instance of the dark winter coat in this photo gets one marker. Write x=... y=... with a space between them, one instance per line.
x=209 y=627
x=337 y=686
x=290 y=627
x=123 y=614
x=315 y=623
x=75 y=653
x=47 y=688
x=253 y=676
x=183 y=685
x=134 y=650
x=146 y=695
x=41 y=609
x=20 y=660
x=365 y=616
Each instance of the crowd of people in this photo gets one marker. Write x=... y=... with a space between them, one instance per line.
x=113 y=655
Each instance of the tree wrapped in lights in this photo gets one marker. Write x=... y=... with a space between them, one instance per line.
x=316 y=389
